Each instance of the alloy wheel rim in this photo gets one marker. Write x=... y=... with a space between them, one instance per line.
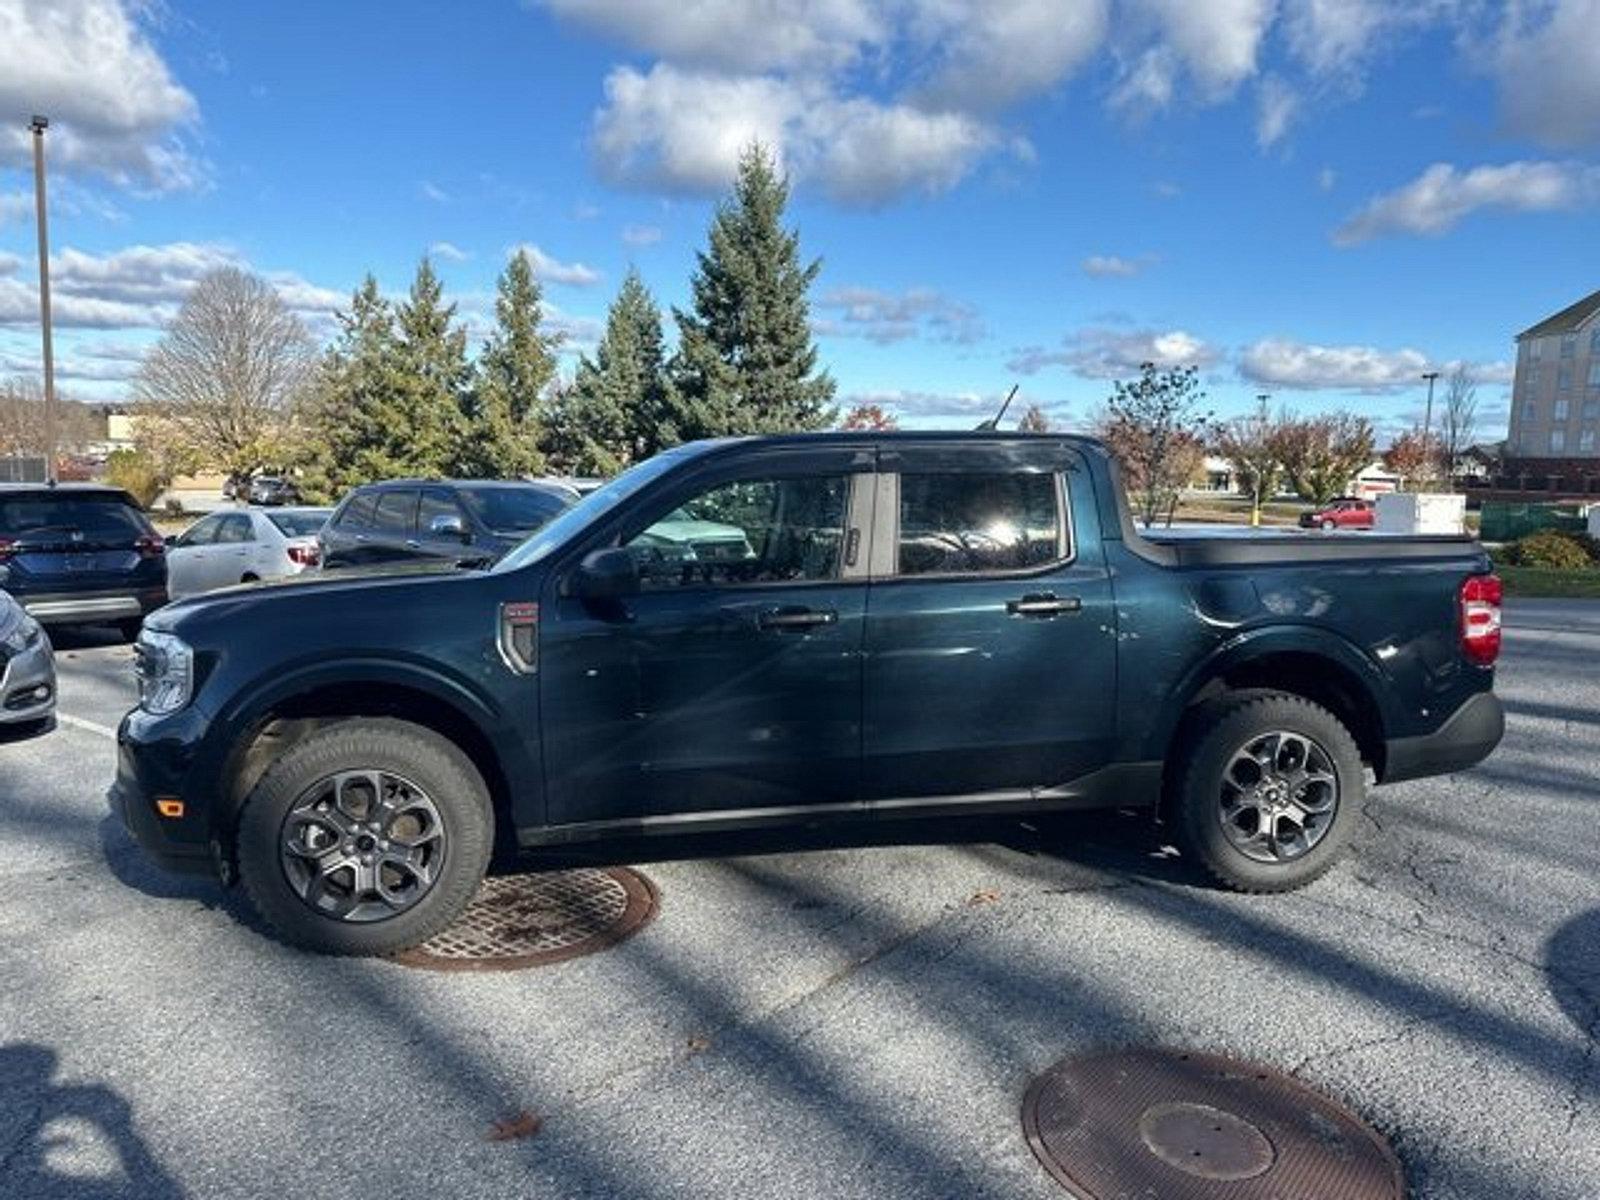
x=1278 y=797
x=362 y=846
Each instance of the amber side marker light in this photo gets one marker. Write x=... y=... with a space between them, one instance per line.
x=170 y=807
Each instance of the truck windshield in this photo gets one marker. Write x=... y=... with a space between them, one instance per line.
x=592 y=507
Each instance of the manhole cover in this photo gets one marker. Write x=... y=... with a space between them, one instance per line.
x=1147 y=1122
x=520 y=921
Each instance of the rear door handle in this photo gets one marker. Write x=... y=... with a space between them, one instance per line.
x=413 y=544
x=1043 y=604
x=796 y=618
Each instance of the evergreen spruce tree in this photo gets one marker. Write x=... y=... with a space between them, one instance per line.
x=354 y=416
x=746 y=362
x=617 y=411
x=502 y=410
x=434 y=373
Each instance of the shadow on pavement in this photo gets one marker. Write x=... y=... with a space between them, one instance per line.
x=1572 y=960
x=71 y=1139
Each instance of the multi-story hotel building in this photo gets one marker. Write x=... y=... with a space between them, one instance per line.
x=1555 y=400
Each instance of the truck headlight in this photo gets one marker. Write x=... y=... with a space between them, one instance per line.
x=164 y=667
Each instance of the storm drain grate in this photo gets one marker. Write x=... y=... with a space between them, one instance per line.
x=1184 y=1126
x=518 y=921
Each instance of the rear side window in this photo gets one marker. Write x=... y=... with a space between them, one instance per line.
x=91 y=518
x=299 y=524
x=358 y=511
x=513 y=510
x=397 y=511
x=965 y=524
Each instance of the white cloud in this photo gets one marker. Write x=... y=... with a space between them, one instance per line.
x=1114 y=266
x=1326 y=178
x=1278 y=363
x=1277 y=104
x=737 y=35
x=641 y=235
x=991 y=53
x=1100 y=353
x=115 y=110
x=1442 y=195
x=683 y=131
x=1215 y=43
x=964 y=406
x=432 y=191
x=448 y=251
x=1546 y=59
x=138 y=287
x=888 y=317
x=552 y=270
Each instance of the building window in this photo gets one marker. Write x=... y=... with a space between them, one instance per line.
x=1535 y=348
x=1594 y=342
x=1591 y=409
x=1558 y=440
x=1563 y=378
x=1530 y=412
x=1594 y=373
x=1569 y=345
x=1586 y=441
x=1563 y=410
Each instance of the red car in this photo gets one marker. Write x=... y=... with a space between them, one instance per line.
x=1343 y=513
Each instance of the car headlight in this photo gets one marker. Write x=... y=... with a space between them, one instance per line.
x=164 y=667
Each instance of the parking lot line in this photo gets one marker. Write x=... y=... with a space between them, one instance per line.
x=91 y=726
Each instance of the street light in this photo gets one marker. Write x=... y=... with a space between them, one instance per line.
x=39 y=124
x=1427 y=416
x=1261 y=428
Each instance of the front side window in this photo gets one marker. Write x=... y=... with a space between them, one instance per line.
x=358 y=513
x=397 y=511
x=752 y=531
x=236 y=528
x=202 y=533
x=962 y=524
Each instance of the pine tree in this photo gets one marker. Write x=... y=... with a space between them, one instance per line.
x=618 y=410
x=746 y=362
x=354 y=418
x=503 y=408
x=432 y=358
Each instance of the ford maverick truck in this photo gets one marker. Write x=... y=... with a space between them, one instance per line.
x=795 y=630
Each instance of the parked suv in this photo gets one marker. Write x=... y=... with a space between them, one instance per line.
x=80 y=553
x=870 y=626
x=270 y=490
x=1344 y=513
x=441 y=519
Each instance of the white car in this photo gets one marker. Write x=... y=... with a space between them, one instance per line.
x=242 y=546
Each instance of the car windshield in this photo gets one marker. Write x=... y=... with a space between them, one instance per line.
x=95 y=518
x=303 y=522
x=514 y=509
x=591 y=508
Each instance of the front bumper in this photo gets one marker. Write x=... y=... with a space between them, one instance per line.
x=70 y=608
x=155 y=761
x=28 y=686
x=1467 y=738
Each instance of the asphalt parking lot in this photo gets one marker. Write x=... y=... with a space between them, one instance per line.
x=846 y=1020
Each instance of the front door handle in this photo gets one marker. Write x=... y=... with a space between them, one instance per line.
x=1043 y=604
x=796 y=618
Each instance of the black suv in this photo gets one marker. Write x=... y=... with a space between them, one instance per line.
x=449 y=519
x=80 y=553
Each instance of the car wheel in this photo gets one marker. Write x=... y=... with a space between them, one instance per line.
x=1270 y=792
x=1329 y=524
x=367 y=837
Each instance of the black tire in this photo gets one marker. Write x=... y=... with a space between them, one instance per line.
x=1224 y=731
x=130 y=628
x=1329 y=525
x=249 y=577
x=434 y=765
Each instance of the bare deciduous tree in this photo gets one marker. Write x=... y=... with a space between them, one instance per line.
x=1460 y=418
x=1155 y=428
x=218 y=390
x=22 y=426
x=1250 y=444
x=1033 y=420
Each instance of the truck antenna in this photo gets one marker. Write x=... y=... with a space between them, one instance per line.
x=993 y=423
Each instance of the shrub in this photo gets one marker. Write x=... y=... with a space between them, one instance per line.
x=135 y=474
x=1553 y=550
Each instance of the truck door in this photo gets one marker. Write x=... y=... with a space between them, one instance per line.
x=732 y=680
x=990 y=666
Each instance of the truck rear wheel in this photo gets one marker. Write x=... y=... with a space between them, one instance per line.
x=367 y=837
x=1270 y=792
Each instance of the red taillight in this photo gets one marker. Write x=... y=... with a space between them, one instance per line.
x=8 y=547
x=1480 y=618
x=306 y=556
x=151 y=545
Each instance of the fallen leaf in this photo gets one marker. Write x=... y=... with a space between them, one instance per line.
x=699 y=1045
x=523 y=1125
x=986 y=896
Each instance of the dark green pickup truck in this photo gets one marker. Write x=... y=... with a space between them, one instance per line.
x=878 y=626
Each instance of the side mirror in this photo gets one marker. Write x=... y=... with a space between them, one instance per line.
x=606 y=574
x=448 y=525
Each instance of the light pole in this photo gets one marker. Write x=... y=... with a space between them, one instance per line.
x=1261 y=428
x=1427 y=417
x=39 y=125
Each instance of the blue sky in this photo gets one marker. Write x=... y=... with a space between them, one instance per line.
x=1318 y=199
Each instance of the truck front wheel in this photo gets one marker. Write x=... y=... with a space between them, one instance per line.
x=367 y=837
x=1270 y=792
